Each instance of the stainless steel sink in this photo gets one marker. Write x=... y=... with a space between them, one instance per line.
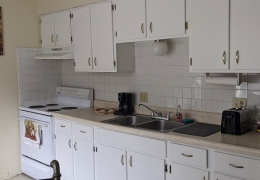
x=161 y=125
x=129 y=120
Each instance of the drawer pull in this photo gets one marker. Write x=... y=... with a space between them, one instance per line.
x=131 y=161
x=186 y=155
x=204 y=178
x=70 y=143
x=82 y=131
x=234 y=166
x=122 y=159
x=62 y=126
x=75 y=146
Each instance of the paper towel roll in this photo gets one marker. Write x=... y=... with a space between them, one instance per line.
x=223 y=80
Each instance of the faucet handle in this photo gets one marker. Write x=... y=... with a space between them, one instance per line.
x=169 y=115
x=153 y=114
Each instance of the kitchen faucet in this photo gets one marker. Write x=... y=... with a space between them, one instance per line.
x=159 y=115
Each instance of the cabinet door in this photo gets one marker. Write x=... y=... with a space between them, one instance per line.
x=83 y=160
x=130 y=19
x=47 y=30
x=82 y=39
x=110 y=163
x=223 y=177
x=64 y=155
x=181 y=172
x=102 y=36
x=209 y=38
x=165 y=17
x=142 y=167
x=63 y=28
x=245 y=34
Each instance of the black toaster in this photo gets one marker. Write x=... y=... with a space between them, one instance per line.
x=236 y=121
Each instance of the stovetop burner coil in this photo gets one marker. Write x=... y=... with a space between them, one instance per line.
x=68 y=108
x=36 y=106
x=51 y=104
x=53 y=110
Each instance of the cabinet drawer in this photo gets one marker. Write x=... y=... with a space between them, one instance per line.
x=188 y=155
x=131 y=142
x=63 y=126
x=237 y=166
x=223 y=177
x=84 y=132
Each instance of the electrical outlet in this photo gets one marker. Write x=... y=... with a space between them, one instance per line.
x=144 y=97
x=239 y=102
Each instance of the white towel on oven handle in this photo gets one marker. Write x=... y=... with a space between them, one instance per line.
x=34 y=143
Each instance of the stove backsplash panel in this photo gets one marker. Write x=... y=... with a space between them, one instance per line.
x=37 y=78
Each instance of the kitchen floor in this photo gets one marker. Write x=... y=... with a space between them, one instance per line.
x=21 y=177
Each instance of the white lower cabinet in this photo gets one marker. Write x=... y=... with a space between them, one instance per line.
x=64 y=154
x=141 y=167
x=223 y=177
x=110 y=163
x=181 y=172
x=83 y=160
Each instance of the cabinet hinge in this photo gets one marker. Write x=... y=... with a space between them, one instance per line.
x=114 y=7
x=71 y=16
x=115 y=63
x=190 y=61
x=186 y=25
x=165 y=168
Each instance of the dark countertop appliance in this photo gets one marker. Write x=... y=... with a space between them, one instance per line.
x=236 y=121
x=126 y=104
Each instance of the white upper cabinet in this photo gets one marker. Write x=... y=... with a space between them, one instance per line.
x=81 y=24
x=165 y=17
x=209 y=35
x=102 y=36
x=130 y=19
x=245 y=28
x=47 y=30
x=56 y=29
x=137 y=20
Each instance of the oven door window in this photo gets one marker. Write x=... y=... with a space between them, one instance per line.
x=40 y=151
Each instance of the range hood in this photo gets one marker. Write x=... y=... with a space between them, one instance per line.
x=56 y=53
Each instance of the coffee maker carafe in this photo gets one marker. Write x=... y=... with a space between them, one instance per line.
x=126 y=106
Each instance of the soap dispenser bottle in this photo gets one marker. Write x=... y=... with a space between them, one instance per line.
x=179 y=114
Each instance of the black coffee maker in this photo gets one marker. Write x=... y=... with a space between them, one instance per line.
x=126 y=106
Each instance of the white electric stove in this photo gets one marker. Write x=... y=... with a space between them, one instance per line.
x=35 y=160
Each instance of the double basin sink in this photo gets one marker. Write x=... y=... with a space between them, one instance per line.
x=145 y=122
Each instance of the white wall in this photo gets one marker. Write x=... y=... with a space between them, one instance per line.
x=20 y=29
x=166 y=79
x=48 y=6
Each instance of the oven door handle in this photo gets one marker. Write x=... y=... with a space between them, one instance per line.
x=41 y=124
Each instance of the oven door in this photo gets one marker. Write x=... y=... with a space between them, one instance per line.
x=43 y=153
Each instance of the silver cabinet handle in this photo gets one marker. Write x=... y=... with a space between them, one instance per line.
x=75 y=146
x=234 y=166
x=62 y=126
x=70 y=143
x=204 y=178
x=142 y=28
x=51 y=38
x=89 y=61
x=57 y=38
x=186 y=155
x=122 y=159
x=224 y=57
x=95 y=61
x=237 y=56
x=151 y=27
x=131 y=161
x=82 y=131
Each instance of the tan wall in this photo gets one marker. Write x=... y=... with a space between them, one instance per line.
x=20 y=29
x=48 y=6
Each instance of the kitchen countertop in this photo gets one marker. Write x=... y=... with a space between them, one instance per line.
x=247 y=144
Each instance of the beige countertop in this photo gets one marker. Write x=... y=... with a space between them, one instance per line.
x=246 y=144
